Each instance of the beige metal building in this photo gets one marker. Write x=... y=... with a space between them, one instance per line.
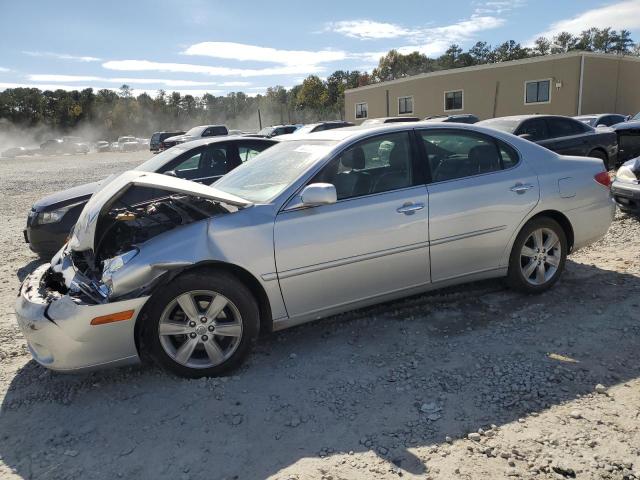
x=567 y=84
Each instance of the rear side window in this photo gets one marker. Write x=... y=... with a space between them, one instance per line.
x=536 y=129
x=563 y=127
x=457 y=154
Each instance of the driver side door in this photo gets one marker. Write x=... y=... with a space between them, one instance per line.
x=373 y=241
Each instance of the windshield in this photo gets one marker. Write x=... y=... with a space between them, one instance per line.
x=636 y=116
x=588 y=120
x=269 y=173
x=195 y=131
x=158 y=161
x=508 y=125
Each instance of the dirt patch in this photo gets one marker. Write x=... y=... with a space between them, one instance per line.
x=470 y=382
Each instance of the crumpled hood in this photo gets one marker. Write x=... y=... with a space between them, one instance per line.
x=82 y=237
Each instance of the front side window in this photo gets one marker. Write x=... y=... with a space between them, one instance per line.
x=405 y=105
x=537 y=91
x=453 y=100
x=457 y=154
x=563 y=127
x=249 y=150
x=374 y=165
x=362 y=110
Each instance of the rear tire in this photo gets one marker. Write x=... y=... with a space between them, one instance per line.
x=602 y=156
x=202 y=324
x=538 y=256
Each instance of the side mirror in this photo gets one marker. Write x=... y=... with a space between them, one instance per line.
x=318 y=194
x=526 y=136
x=171 y=173
x=600 y=125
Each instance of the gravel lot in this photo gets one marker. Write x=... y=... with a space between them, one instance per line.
x=474 y=382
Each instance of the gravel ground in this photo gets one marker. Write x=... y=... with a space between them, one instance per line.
x=473 y=382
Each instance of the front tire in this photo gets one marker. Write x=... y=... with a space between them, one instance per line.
x=202 y=324
x=538 y=256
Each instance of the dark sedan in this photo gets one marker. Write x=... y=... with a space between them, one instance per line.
x=562 y=135
x=628 y=140
x=626 y=187
x=51 y=218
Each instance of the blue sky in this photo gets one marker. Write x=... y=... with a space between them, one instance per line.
x=193 y=46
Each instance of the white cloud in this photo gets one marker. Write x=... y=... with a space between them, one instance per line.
x=234 y=84
x=369 y=29
x=4 y=69
x=62 y=56
x=619 y=15
x=118 y=80
x=427 y=40
x=497 y=7
x=148 y=66
x=244 y=52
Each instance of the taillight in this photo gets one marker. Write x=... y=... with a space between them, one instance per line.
x=603 y=178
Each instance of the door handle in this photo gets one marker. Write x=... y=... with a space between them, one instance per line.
x=410 y=208
x=520 y=188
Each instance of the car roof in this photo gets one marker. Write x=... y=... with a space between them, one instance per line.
x=348 y=134
x=225 y=138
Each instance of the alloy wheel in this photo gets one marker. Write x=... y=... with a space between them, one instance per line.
x=540 y=256
x=200 y=329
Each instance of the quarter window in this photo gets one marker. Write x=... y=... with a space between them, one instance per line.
x=405 y=105
x=454 y=100
x=457 y=154
x=375 y=165
x=537 y=91
x=362 y=110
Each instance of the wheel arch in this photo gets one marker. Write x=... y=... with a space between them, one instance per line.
x=250 y=281
x=564 y=222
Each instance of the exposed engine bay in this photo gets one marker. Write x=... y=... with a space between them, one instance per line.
x=130 y=219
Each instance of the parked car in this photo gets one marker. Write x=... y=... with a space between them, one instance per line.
x=626 y=187
x=143 y=143
x=563 y=135
x=376 y=121
x=315 y=226
x=103 y=146
x=155 y=144
x=462 y=118
x=74 y=145
x=321 y=126
x=128 y=144
x=52 y=217
x=628 y=140
x=195 y=133
x=602 y=119
x=53 y=146
x=17 y=151
x=275 y=130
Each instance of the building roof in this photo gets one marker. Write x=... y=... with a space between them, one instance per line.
x=543 y=58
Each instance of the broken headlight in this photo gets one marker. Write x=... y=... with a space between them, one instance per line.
x=112 y=265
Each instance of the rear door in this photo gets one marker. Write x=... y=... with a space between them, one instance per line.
x=479 y=194
x=567 y=136
x=371 y=242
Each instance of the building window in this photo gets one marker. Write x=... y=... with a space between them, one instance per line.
x=537 y=91
x=405 y=105
x=453 y=100
x=361 y=110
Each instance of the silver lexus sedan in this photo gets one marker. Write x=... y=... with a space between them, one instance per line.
x=316 y=225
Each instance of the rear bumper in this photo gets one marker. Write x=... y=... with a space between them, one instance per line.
x=627 y=196
x=591 y=222
x=59 y=333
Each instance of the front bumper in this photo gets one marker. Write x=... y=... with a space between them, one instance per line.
x=59 y=333
x=627 y=196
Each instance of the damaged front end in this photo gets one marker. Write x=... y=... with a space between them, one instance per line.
x=80 y=312
x=119 y=220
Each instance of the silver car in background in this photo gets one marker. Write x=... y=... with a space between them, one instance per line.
x=316 y=225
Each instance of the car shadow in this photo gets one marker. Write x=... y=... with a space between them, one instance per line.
x=386 y=379
x=29 y=268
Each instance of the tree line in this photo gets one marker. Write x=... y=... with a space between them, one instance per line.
x=112 y=113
